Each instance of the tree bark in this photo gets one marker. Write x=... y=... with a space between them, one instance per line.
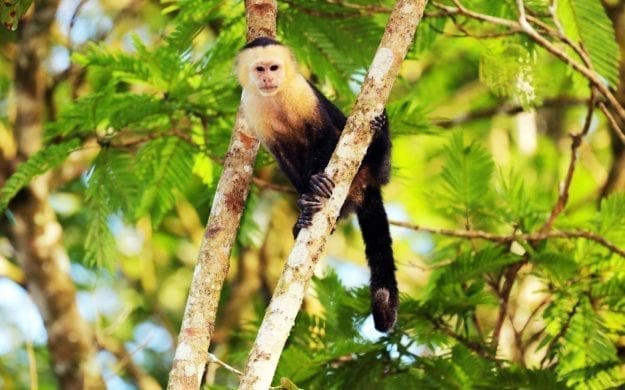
x=351 y=148
x=36 y=234
x=211 y=269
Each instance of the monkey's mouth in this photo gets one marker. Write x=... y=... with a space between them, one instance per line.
x=268 y=89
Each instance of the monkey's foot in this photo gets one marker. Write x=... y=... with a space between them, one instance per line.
x=309 y=205
x=384 y=308
x=379 y=122
x=321 y=185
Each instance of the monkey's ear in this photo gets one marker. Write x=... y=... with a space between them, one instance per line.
x=239 y=68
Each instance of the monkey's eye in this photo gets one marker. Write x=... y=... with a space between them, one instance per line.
x=260 y=68
x=274 y=67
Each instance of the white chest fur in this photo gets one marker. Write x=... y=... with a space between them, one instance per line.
x=282 y=114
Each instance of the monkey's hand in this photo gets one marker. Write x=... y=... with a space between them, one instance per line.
x=379 y=123
x=321 y=185
x=310 y=203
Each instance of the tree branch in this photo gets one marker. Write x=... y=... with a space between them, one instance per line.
x=345 y=161
x=526 y=28
x=198 y=322
x=576 y=142
x=504 y=239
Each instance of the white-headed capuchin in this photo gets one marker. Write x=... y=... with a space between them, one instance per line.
x=301 y=128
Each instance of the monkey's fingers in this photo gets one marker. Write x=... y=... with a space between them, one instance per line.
x=379 y=122
x=321 y=185
x=303 y=221
x=308 y=203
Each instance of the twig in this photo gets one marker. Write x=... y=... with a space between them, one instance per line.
x=529 y=30
x=273 y=186
x=506 y=108
x=576 y=142
x=476 y=347
x=504 y=299
x=617 y=128
x=213 y=359
x=502 y=239
x=361 y=7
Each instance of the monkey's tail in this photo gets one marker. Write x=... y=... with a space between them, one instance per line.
x=375 y=233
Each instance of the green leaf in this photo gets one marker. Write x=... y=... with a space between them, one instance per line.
x=164 y=167
x=466 y=178
x=611 y=219
x=44 y=160
x=100 y=245
x=339 y=61
x=586 y=353
x=469 y=265
x=585 y=21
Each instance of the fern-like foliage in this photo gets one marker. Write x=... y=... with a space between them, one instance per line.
x=587 y=355
x=466 y=179
x=47 y=158
x=164 y=167
x=585 y=21
x=313 y=39
x=100 y=202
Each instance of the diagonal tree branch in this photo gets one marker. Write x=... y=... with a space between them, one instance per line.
x=198 y=322
x=345 y=161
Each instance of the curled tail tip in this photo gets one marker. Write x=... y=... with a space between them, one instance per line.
x=384 y=309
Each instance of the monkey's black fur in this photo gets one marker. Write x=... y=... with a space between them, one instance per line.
x=304 y=152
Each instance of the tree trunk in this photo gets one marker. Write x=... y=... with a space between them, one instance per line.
x=36 y=234
x=198 y=323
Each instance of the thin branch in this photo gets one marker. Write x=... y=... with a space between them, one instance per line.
x=273 y=186
x=213 y=359
x=576 y=142
x=198 y=323
x=617 y=128
x=528 y=237
x=528 y=29
x=476 y=347
x=504 y=299
x=369 y=9
x=504 y=109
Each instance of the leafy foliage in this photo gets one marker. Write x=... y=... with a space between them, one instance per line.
x=466 y=179
x=41 y=162
x=586 y=21
x=165 y=167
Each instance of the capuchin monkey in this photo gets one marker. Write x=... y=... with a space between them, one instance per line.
x=301 y=128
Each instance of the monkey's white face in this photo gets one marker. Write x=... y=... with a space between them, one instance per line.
x=267 y=75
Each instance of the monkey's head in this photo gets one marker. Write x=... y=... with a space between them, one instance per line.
x=264 y=66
